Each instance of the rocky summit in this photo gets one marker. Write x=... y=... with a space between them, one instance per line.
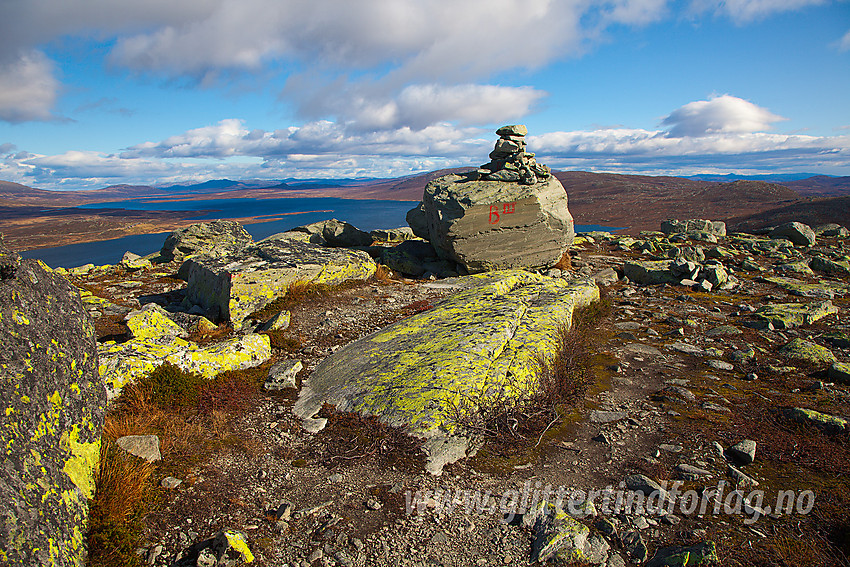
x=511 y=213
x=331 y=397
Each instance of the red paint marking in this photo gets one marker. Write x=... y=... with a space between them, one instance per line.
x=508 y=208
x=494 y=215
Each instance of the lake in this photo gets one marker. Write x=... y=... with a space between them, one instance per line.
x=366 y=214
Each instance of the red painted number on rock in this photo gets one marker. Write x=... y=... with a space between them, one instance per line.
x=507 y=209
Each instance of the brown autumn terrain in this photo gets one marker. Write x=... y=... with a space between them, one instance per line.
x=34 y=218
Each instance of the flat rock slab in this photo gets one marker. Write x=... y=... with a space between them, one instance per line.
x=824 y=289
x=477 y=344
x=790 y=315
x=122 y=363
x=246 y=280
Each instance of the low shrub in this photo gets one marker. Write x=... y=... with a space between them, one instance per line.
x=170 y=387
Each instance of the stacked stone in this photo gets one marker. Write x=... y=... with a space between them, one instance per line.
x=510 y=161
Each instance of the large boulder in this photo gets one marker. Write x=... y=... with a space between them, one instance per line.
x=798 y=233
x=418 y=371
x=216 y=237
x=487 y=225
x=246 y=280
x=53 y=408
x=674 y=226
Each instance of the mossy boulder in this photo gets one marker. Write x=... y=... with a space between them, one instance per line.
x=333 y=232
x=482 y=341
x=557 y=535
x=54 y=403
x=798 y=233
x=246 y=280
x=790 y=315
x=830 y=267
x=807 y=352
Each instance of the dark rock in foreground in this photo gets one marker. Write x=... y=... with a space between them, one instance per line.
x=53 y=414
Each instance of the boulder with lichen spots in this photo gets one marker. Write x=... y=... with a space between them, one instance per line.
x=54 y=403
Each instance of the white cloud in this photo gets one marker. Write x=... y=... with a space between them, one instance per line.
x=28 y=88
x=746 y=11
x=844 y=42
x=719 y=115
x=721 y=134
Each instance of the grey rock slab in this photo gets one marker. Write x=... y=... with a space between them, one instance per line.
x=690 y=472
x=645 y=485
x=216 y=237
x=278 y=322
x=840 y=372
x=720 y=365
x=602 y=416
x=333 y=232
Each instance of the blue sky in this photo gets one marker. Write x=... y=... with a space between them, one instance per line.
x=100 y=92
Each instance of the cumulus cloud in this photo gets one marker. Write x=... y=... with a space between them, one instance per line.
x=28 y=88
x=746 y=11
x=719 y=115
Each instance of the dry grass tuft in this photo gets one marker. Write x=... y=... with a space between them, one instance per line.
x=383 y=274
x=565 y=263
x=115 y=514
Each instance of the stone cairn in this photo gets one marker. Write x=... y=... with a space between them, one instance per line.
x=510 y=161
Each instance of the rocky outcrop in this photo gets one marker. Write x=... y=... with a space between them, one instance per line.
x=674 y=226
x=510 y=213
x=53 y=408
x=415 y=373
x=216 y=237
x=234 y=285
x=335 y=233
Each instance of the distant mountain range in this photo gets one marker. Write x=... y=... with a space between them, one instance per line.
x=639 y=202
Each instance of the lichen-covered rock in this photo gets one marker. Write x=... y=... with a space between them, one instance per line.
x=243 y=281
x=393 y=234
x=650 y=272
x=122 y=363
x=216 y=237
x=790 y=315
x=831 y=229
x=557 y=535
x=804 y=351
x=692 y=556
x=798 y=233
x=824 y=289
x=488 y=225
x=53 y=408
x=414 y=373
x=829 y=423
x=335 y=233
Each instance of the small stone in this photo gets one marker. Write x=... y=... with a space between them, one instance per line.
x=335 y=478
x=720 y=365
x=170 y=482
x=283 y=375
x=743 y=452
x=601 y=416
x=142 y=446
